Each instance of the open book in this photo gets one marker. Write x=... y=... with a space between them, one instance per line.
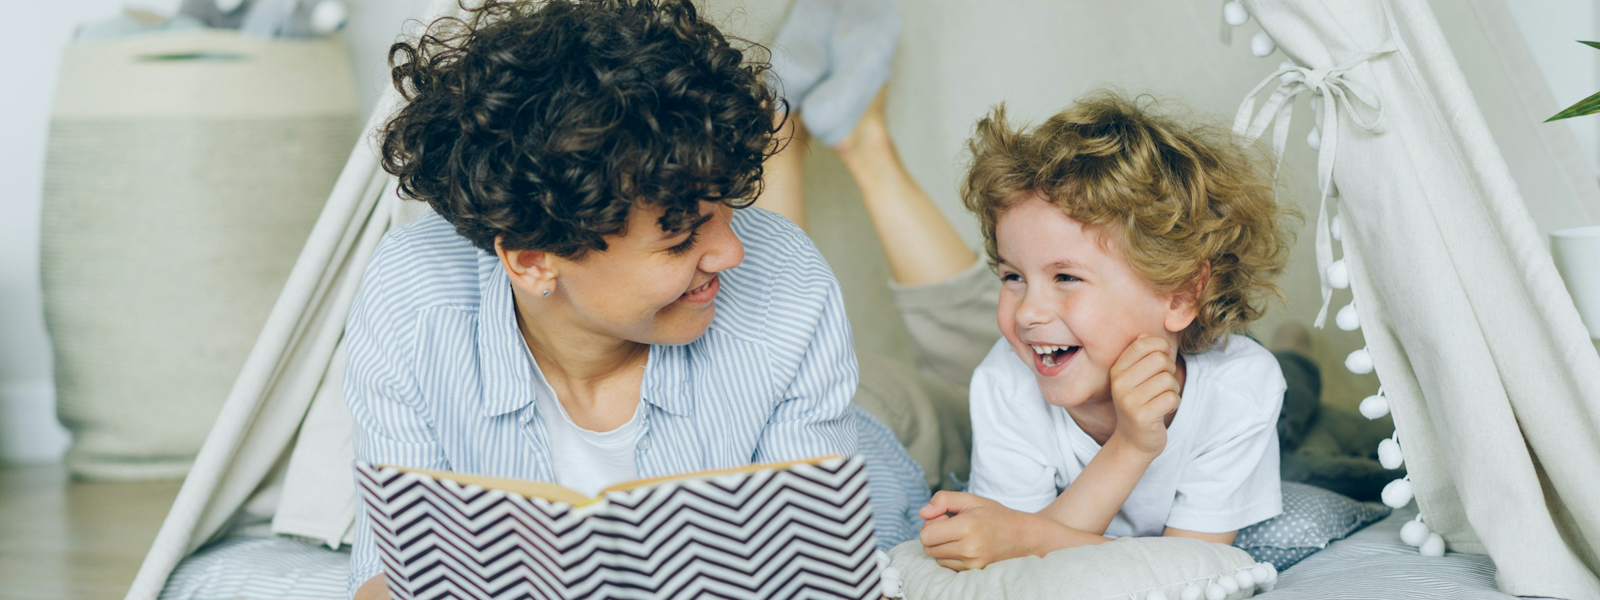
x=798 y=529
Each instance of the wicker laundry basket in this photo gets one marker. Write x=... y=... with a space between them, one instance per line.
x=183 y=174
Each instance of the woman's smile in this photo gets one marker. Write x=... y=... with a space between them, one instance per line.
x=705 y=293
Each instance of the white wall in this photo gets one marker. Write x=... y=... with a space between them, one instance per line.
x=1572 y=70
x=28 y=428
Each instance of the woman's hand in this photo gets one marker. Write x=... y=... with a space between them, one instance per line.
x=376 y=588
x=964 y=531
x=1145 y=389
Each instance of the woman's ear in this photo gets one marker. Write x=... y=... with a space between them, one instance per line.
x=1184 y=306
x=530 y=270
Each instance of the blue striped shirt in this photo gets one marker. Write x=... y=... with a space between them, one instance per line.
x=438 y=375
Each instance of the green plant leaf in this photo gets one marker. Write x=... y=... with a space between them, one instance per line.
x=1595 y=45
x=1587 y=106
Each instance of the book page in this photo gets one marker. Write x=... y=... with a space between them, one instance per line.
x=532 y=489
x=639 y=483
x=556 y=493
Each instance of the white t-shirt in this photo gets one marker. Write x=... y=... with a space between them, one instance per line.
x=588 y=461
x=1218 y=473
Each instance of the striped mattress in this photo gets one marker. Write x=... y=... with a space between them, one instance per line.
x=1374 y=563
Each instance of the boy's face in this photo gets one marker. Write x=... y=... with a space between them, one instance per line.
x=1061 y=286
x=651 y=286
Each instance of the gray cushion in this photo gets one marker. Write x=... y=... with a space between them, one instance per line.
x=1311 y=518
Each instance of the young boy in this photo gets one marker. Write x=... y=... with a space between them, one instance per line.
x=1131 y=247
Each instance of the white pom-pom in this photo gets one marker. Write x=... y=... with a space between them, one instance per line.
x=1234 y=13
x=328 y=16
x=1314 y=139
x=1191 y=592
x=1434 y=546
x=1375 y=407
x=1228 y=584
x=1262 y=45
x=1267 y=578
x=1215 y=592
x=889 y=584
x=1156 y=595
x=1347 y=319
x=1339 y=275
x=1397 y=494
x=1414 y=533
x=1389 y=454
x=1245 y=579
x=1259 y=571
x=1335 y=225
x=1359 y=362
x=883 y=559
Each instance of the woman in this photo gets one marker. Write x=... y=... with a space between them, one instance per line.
x=587 y=305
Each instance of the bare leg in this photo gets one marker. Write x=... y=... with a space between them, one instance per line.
x=784 y=172
x=921 y=244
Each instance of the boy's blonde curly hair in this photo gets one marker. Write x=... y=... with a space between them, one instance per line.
x=1172 y=194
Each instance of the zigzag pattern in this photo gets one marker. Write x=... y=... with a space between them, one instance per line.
x=805 y=531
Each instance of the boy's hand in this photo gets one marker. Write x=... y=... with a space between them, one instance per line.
x=1145 y=389
x=964 y=531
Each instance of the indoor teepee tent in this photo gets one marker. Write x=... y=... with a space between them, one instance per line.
x=1496 y=390
x=1492 y=377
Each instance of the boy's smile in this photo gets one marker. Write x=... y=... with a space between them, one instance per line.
x=1070 y=303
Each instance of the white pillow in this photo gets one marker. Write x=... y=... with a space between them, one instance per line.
x=1143 y=568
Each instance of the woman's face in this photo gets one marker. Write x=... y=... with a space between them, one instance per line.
x=649 y=286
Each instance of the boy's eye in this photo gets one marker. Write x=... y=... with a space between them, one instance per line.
x=1010 y=277
x=1065 y=277
x=687 y=244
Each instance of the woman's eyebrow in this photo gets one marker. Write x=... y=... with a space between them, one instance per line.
x=691 y=227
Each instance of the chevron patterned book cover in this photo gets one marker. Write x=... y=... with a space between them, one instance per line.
x=791 y=530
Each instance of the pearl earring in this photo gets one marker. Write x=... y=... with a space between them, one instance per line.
x=547 y=293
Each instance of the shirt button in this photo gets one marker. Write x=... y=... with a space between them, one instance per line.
x=644 y=443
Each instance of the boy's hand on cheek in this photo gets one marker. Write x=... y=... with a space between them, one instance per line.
x=964 y=531
x=1145 y=389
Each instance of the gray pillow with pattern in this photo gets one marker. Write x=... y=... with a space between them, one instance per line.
x=1312 y=517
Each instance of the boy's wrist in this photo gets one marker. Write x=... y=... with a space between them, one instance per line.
x=1038 y=534
x=1049 y=535
x=1128 y=454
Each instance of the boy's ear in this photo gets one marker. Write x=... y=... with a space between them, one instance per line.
x=532 y=271
x=1184 y=307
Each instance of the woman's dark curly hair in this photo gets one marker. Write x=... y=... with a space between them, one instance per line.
x=541 y=124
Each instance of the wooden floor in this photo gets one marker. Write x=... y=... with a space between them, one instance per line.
x=63 y=539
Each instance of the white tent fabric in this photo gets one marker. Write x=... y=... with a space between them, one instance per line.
x=1494 y=385
x=285 y=412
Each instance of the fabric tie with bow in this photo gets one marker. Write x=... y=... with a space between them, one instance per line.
x=1339 y=93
